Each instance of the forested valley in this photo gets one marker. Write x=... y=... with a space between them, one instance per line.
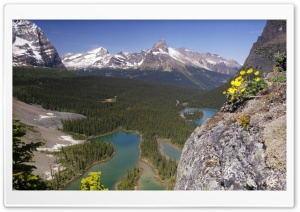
x=114 y=104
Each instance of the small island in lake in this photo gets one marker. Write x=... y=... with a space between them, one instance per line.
x=193 y=115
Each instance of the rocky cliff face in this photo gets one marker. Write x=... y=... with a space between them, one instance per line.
x=244 y=149
x=272 y=40
x=224 y=155
x=31 y=47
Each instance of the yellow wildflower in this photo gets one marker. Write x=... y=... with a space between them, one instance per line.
x=232 y=82
x=237 y=83
x=256 y=73
x=257 y=79
x=242 y=72
x=239 y=78
x=224 y=92
x=232 y=90
x=243 y=90
x=250 y=70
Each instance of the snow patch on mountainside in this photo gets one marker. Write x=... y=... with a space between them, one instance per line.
x=95 y=58
x=176 y=55
x=22 y=46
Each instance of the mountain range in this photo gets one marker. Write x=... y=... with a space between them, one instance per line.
x=159 y=57
x=160 y=63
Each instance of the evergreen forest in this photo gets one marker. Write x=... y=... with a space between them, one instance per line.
x=76 y=159
x=129 y=181
x=111 y=103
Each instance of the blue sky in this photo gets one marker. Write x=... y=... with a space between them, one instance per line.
x=231 y=39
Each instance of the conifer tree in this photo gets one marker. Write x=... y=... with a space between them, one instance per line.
x=23 y=179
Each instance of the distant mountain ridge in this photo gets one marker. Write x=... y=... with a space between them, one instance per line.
x=159 y=57
x=160 y=63
x=31 y=47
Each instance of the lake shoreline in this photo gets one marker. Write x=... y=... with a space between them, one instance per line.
x=145 y=160
x=207 y=113
x=119 y=129
x=116 y=148
x=169 y=141
x=153 y=170
x=165 y=147
x=88 y=168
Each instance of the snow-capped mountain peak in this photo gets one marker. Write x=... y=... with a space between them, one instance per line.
x=32 y=47
x=160 y=46
x=159 y=57
x=99 y=50
x=98 y=57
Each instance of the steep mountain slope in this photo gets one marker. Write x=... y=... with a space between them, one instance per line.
x=31 y=47
x=271 y=41
x=159 y=57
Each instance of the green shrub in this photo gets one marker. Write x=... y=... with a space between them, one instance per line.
x=280 y=62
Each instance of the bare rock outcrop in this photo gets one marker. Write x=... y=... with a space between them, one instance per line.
x=224 y=155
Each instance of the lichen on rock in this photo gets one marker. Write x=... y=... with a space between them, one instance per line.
x=274 y=137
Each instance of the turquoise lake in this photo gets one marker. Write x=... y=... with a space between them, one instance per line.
x=125 y=159
x=169 y=151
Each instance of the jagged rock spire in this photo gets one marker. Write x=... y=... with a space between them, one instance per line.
x=161 y=44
